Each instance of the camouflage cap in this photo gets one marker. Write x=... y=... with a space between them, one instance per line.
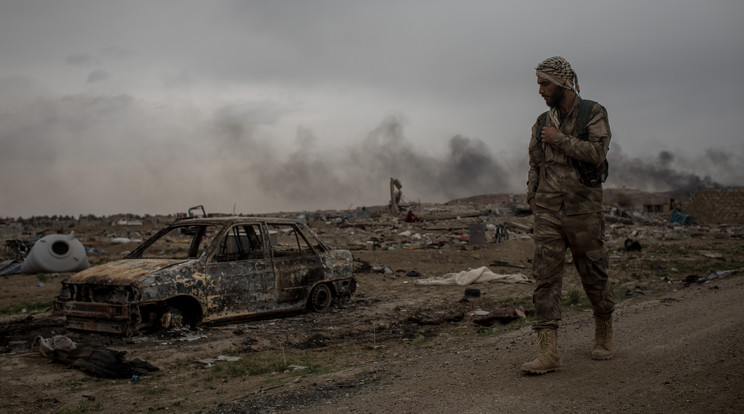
x=558 y=71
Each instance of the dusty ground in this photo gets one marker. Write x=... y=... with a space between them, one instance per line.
x=403 y=348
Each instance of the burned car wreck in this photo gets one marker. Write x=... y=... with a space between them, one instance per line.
x=208 y=270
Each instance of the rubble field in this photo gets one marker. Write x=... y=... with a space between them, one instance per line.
x=401 y=345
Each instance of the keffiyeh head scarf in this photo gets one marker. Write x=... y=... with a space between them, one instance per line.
x=558 y=71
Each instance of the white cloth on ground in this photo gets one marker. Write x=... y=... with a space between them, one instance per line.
x=468 y=277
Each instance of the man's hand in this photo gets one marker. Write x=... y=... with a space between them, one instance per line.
x=548 y=133
x=532 y=203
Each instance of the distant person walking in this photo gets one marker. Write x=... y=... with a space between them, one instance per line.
x=567 y=157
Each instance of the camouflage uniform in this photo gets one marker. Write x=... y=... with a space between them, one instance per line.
x=568 y=214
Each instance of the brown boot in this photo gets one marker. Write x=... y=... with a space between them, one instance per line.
x=603 y=345
x=549 y=357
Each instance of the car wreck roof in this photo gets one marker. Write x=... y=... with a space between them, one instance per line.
x=230 y=219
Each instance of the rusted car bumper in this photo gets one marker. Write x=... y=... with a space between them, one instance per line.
x=99 y=317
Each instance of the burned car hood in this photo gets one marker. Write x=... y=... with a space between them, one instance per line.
x=122 y=272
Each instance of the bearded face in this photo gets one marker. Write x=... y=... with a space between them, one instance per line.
x=556 y=97
x=552 y=93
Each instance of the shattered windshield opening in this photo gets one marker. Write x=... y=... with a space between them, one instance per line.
x=183 y=242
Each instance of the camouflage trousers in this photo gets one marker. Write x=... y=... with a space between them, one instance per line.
x=554 y=232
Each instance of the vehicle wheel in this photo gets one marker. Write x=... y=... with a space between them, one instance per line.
x=320 y=298
x=172 y=318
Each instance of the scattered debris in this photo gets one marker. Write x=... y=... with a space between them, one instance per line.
x=501 y=315
x=437 y=317
x=502 y=263
x=681 y=218
x=209 y=362
x=18 y=248
x=472 y=293
x=711 y=255
x=445 y=232
x=713 y=276
x=47 y=347
x=10 y=267
x=99 y=362
x=636 y=292
x=382 y=269
x=127 y=222
x=632 y=245
x=124 y=240
x=191 y=337
x=412 y=218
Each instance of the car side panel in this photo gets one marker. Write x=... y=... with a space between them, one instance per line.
x=238 y=288
x=295 y=275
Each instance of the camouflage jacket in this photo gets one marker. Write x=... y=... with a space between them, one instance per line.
x=552 y=179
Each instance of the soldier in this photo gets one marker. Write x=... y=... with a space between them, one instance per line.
x=567 y=157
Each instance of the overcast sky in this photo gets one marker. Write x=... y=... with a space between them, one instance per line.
x=262 y=106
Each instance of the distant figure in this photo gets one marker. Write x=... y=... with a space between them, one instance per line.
x=674 y=205
x=395 y=195
x=567 y=157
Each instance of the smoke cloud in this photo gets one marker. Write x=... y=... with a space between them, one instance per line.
x=669 y=172
x=100 y=154
x=359 y=172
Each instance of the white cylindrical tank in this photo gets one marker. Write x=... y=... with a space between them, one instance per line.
x=56 y=253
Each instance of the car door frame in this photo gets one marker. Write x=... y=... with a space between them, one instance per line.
x=241 y=287
x=295 y=274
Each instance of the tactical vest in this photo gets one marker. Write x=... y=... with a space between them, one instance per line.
x=589 y=174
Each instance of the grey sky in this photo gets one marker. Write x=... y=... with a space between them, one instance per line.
x=155 y=106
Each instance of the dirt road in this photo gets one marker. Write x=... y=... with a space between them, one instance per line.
x=680 y=353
